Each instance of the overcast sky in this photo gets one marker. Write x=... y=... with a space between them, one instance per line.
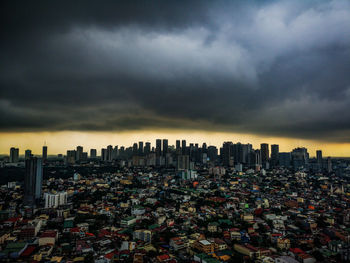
x=270 y=68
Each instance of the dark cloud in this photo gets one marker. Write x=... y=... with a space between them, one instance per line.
x=276 y=68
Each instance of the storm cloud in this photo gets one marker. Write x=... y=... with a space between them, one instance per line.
x=279 y=68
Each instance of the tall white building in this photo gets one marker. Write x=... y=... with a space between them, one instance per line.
x=55 y=200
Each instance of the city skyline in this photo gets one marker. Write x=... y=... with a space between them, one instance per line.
x=271 y=148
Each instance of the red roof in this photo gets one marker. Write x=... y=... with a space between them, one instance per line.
x=164 y=257
x=296 y=250
x=28 y=251
x=74 y=229
x=109 y=255
x=49 y=234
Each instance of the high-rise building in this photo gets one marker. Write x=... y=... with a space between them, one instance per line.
x=55 y=200
x=44 y=155
x=285 y=159
x=141 y=148
x=104 y=154
x=115 y=153
x=178 y=145
x=300 y=158
x=183 y=162
x=227 y=154
x=275 y=149
x=109 y=153
x=265 y=154
x=183 y=147
x=93 y=153
x=329 y=164
x=165 y=147
x=27 y=154
x=319 y=159
x=147 y=148
x=71 y=156
x=134 y=149
x=212 y=153
x=79 y=153
x=33 y=180
x=14 y=155
x=158 y=147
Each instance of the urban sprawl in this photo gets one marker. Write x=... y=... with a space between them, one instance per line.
x=175 y=203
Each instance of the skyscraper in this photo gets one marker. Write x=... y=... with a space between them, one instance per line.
x=93 y=153
x=265 y=153
x=165 y=147
x=183 y=146
x=285 y=159
x=33 y=180
x=14 y=155
x=329 y=164
x=158 y=147
x=178 y=146
x=27 y=154
x=104 y=154
x=44 y=155
x=300 y=158
x=319 y=158
x=134 y=149
x=140 y=148
x=275 y=149
x=79 y=153
x=183 y=162
x=227 y=154
x=109 y=153
x=147 y=148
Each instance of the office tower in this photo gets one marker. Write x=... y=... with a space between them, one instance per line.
x=227 y=154
x=115 y=153
x=255 y=158
x=285 y=159
x=93 y=153
x=44 y=155
x=14 y=155
x=183 y=162
x=134 y=149
x=140 y=148
x=158 y=147
x=84 y=157
x=104 y=154
x=178 y=145
x=79 y=153
x=300 y=158
x=27 y=154
x=71 y=156
x=319 y=158
x=109 y=153
x=275 y=149
x=183 y=146
x=240 y=152
x=147 y=148
x=212 y=153
x=265 y=154
x=33 y=180
x=165 y=147
x=329 y=164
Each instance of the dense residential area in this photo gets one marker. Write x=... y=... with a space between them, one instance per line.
x=185 y=207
